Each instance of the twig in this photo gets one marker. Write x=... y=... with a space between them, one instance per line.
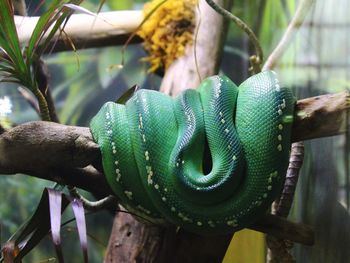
x=103 y=203
x=279 y=249
x=297 y=20
x=257 y=60
x=281 y=228
x=284 y=204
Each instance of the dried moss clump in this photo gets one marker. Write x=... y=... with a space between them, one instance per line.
x=167 y=31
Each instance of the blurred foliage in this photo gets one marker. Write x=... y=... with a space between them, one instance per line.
x=317 y=62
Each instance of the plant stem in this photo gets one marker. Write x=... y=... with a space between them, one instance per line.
x=44 y=109
x=241 y=25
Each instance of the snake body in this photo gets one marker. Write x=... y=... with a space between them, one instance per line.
x=152 y=151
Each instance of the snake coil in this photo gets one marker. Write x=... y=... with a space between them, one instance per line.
x=152 y=150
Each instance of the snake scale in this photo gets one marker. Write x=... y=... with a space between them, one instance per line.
x=152 y=151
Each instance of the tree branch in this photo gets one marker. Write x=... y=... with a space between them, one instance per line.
x=86 y=31
x=37 y=146
x=64 y=154
x=321 y=116
x=53 y=152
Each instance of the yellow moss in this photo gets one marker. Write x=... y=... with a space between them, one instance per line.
x=167 y=31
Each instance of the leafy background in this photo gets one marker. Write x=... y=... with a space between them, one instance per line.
x=316 y=63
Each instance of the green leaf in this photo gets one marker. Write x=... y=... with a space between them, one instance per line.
x=41 y=27
x=127 y=95
x=8 y=35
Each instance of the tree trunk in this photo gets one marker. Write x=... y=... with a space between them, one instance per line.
x=132 y=241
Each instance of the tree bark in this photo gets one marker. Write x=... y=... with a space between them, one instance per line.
x=65 y=154
x=87 y=31
x=172 y=245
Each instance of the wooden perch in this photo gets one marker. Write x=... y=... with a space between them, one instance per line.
x=86 y=31
x=321 y=116
x=64 y=154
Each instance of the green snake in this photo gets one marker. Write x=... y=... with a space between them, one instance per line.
x=153 y=148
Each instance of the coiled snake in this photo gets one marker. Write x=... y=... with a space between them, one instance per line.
x=152 y=150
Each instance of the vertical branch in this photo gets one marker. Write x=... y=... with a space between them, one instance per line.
x=279 y=248
x=133 y=241
x=183 y=73
x=284 y=204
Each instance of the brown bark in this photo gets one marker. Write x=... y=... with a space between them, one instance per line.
x=321 y=116
x=44 y=149
x=183 y=74
x=64 y=154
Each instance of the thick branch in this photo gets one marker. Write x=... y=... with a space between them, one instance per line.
x=64 y=154
x=185 y=72
x=321 y=116
x=106 y=29
x=54 y=152
x=37 y=146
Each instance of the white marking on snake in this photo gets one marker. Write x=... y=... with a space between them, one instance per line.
x=118 y=177
x=143 y=209
x=279 y=137
x=211 y=223
x=283 y=105
x=279 y=147
x=231 y=223
x=147 y=155
x=128 y=194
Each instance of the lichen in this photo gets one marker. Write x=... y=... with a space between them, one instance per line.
x=167 y=31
